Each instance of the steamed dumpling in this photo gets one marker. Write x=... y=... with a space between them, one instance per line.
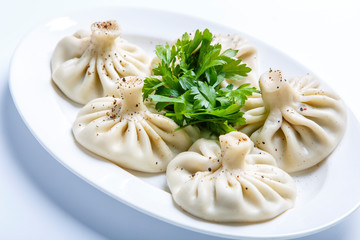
x=246 y=52
x=300 y=122
x=233 y=182
x=87 y=65
x=124 y=131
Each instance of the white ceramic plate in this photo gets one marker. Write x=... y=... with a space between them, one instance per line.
x=326 y=193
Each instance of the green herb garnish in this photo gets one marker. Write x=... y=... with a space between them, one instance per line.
x=190 y=92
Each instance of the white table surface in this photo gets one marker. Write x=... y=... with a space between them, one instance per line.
x=40 y=199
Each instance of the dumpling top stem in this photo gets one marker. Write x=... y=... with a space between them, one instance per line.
x=234 y=148
x=275 y=90
x=130 y=90
x=105 y=32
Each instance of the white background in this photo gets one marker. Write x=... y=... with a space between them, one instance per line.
x=40 y=199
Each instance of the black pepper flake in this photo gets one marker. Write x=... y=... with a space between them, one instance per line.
x=123 y=79
x=209 y=169
x=263 y=142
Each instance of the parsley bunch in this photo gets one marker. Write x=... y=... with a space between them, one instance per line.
x=190 y=92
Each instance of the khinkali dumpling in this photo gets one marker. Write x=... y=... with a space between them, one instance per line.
x=124 y=131
x=233 y=182
x=300 y=123
x=246 y=52
x=87 y=65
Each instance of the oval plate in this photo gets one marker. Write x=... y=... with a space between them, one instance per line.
x=323 y=191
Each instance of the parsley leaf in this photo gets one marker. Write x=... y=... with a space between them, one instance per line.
x=150 y=85
x=189 y=90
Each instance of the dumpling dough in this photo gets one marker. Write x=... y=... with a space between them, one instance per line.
x=300 y=123
x=246 y=52
x=233 y=182
x=124 y=131
x=87 y=65
x=254 y=114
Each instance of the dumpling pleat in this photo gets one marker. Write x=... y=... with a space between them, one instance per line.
x=143 y=139
x=175 y=139
x=107 y=83
x=110 y=68
x=305 y=127
x=91 y=85
x=159 y=146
